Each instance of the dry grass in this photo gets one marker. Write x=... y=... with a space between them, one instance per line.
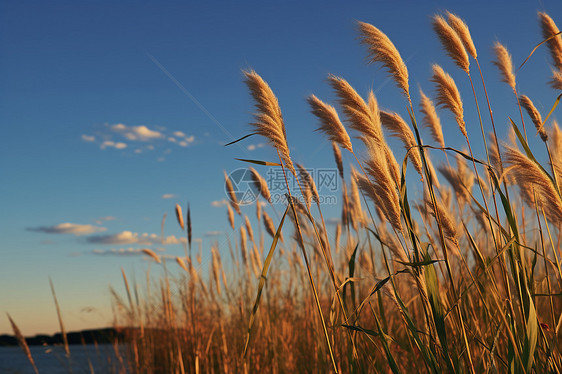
x=437 y=283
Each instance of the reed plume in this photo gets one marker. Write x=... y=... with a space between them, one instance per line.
x=384 y=185
x=151 y=254
x=230 y=215
x=463 y=32
x=179 y=216
x=451 y=42
x=382 y=50
x=231 y=194
x=431 y=119
x=330 y=123
x=504 y=64
x=448 y=95
x=182 y=264
x=535 y=116
x=337 y=157
x=249 y=228
x=556 y=81
x=243 y=247
x=549 y=29
x=216 y=268
x=445 y=219
x=360 y=116
x=529 y=176
x=400 y=129
x=261 y=183
x=269 y=226
x=268 y=119
x=556 y=144
x=310 y=185
x=22 y=343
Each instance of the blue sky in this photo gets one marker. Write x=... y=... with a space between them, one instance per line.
x=92 y=94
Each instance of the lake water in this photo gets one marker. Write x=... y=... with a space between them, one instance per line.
x=52 y=360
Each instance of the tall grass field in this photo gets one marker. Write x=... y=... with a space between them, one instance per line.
x=452 y=266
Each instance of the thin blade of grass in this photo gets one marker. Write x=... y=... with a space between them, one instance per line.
x=22 y=343
x=237 y=140
x=263 y=278
x=258 y=162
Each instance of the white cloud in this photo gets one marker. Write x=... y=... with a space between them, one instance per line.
x=69 y=228
x=253 y=147
x=109 y=143
x=100 y=220
x=219 y=203
x=118 y=251
x=168 y=196
x=124 y=237
x=129 y=237
x=136 y=133
x=213 y=233
x=139 y=138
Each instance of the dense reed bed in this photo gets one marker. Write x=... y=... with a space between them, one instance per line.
x=465 y=279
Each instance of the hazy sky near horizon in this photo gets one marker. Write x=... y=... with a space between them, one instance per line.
x=113 y=112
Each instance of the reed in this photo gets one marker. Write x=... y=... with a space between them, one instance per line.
x=425 y=275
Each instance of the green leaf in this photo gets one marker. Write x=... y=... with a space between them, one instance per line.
x=266 y=163
x=531 y=336
x=263 y=278
x=242 y=138
x=552 y=109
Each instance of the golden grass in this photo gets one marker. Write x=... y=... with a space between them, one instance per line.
x=418 y=275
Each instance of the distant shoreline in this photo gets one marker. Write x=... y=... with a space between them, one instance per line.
x=95 y=336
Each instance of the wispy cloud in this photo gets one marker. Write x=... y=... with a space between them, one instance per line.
x=219 y=203
x=68 y=228
x=129 y=237
x=110 y=143
x=253 y=147
x=138 y=138
x=168 y=196
x=119 y=251
x=136 y=133
x=213 y=233
x=100 y=220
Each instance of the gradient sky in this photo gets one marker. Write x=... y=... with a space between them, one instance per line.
x=113 y=112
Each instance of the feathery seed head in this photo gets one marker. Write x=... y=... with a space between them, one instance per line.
x=262 y=184
x=179 y=216
x=431 y=119
x=268 y=119
x=400 y=129
x=463 y=32
x=535 y=116
x=503 y=62
x=382 y=50
x=549 y=29
x=337 y=157
x=451 y=42
x=360 y=116
x=448 y=95
x=330 y=123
